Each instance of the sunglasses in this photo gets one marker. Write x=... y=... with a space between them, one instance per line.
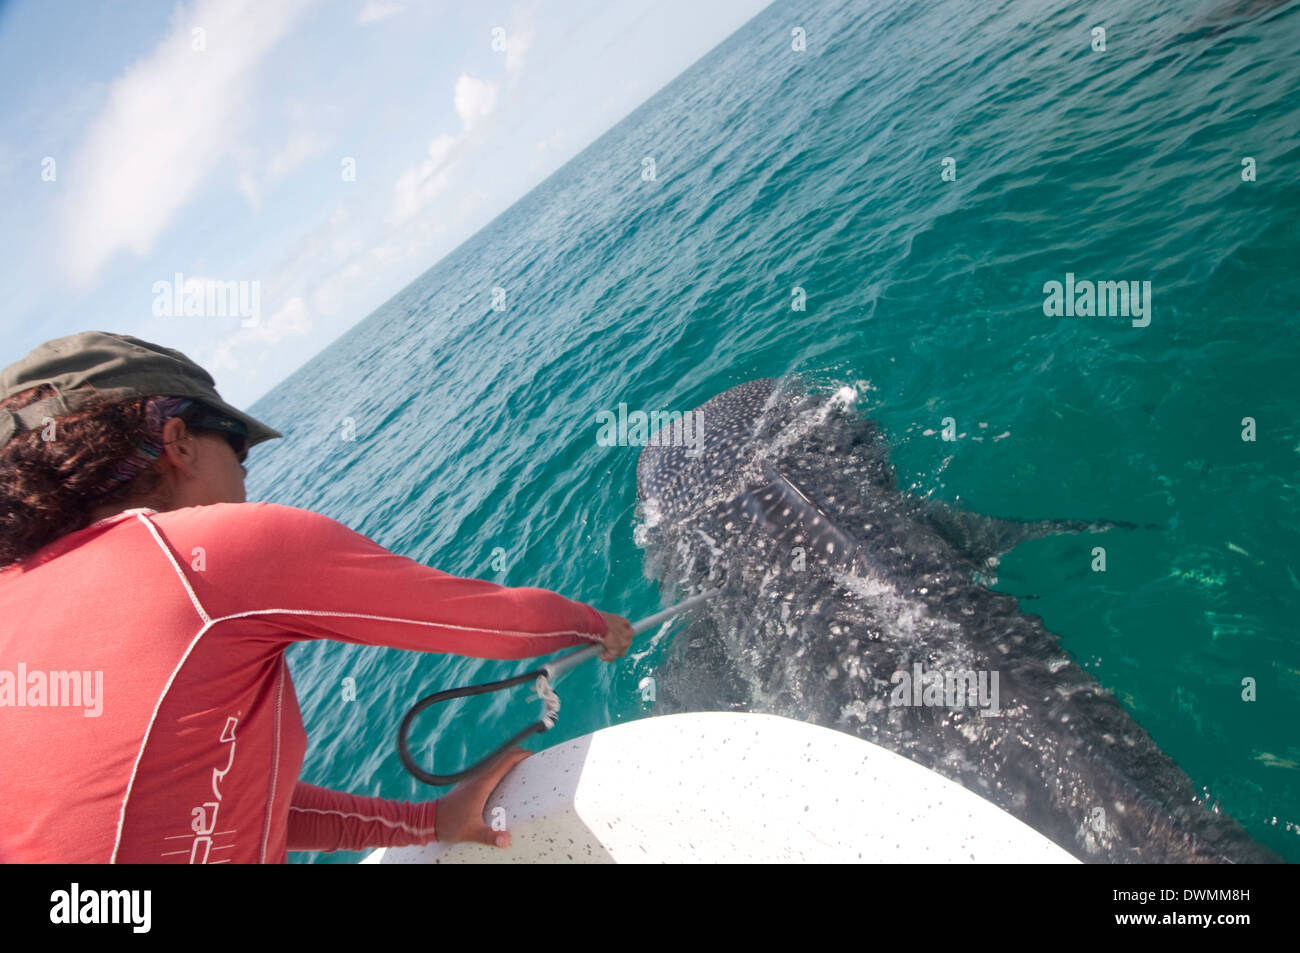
x=205 y=418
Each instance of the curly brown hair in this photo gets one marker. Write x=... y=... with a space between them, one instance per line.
x=48 y=476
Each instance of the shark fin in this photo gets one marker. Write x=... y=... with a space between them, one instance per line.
x=982 y=539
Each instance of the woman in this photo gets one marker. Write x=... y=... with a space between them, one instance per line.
x=146 y=709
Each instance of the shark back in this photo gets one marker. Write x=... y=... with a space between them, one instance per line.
x=834 y=582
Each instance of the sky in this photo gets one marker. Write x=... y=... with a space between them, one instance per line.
x=296 y=162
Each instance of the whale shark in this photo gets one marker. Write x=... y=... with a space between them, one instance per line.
x=849 y=603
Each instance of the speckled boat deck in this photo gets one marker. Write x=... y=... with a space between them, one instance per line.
x=723 y=787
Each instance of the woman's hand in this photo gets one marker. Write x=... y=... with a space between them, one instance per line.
x=460 y=812
x=617 y=637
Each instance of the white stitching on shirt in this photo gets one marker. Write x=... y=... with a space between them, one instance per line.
x=144 y=743
x=275 y=760
x=388 y=618
x=382 y=820
x=121 y=818
x=172 y=559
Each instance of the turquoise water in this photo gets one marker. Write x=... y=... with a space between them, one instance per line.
x=475 y=428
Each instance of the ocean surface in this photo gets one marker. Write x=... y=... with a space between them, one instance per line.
x=450 y=423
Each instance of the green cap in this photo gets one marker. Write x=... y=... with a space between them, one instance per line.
x=111 y=366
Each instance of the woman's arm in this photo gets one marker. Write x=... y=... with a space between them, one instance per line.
x=321 y=819
x=306 y=576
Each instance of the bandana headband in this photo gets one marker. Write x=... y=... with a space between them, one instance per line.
x=158 y=410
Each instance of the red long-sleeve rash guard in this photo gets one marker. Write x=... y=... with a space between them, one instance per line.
x=191 y=751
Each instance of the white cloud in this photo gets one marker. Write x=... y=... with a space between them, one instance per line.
x=554 y=141
x=474 y=98
x=168 y=121
x=300 y=147
x=337 y=288
x=376 y=10
x=248 y=187
x=234 y=352
x=328 y=296
x=419 y=186
x=517 y=43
